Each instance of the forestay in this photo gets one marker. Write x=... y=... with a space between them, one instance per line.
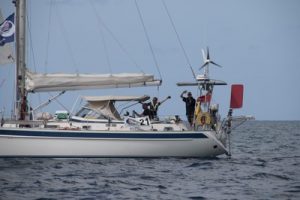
x=36 y=82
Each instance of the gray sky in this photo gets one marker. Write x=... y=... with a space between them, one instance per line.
x=257 y=43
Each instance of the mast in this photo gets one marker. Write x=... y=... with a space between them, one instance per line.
x=21 y=96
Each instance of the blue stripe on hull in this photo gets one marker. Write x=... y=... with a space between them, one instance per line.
x=77 y=134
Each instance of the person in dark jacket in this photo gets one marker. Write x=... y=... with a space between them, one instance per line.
x=189 y=106
x=146 y=112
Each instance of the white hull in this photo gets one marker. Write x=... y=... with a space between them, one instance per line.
x=138 y=144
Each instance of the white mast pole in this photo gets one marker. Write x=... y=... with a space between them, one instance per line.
x=21 y=102
x=206 y=71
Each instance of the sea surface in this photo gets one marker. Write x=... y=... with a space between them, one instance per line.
x=265 y=164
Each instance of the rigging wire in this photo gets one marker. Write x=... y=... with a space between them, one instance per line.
x=117 y=41
x=14 y=94
x=7 y=98
x=59 y=103
x=106 y=51
x=31 y=43
x=178 y=38
x=148 y=39
x=62 y=28
x=48 y=36
x=102 y=36
x=31 y=49
x=2 y=82
x=2 y=111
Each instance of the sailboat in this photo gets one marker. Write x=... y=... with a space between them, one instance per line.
x=99 y=129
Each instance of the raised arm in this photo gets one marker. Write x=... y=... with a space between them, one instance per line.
x=168 y=97
x=183 y=93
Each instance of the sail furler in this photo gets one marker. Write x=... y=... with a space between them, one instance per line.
x=36 y=82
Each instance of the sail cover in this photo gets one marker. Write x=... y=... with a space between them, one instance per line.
x=59 y=82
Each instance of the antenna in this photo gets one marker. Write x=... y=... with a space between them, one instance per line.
x=207 y=61
x=2 y=82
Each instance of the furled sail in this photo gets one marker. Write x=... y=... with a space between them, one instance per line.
x=58 y=82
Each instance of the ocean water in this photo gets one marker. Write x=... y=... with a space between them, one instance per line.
x=265 y=165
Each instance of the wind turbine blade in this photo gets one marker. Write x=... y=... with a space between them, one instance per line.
x=203 y=55
x=212 y=62
x=207 y=53
x=206 y=63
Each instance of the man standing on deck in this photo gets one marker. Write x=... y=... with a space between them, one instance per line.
x=189 y=106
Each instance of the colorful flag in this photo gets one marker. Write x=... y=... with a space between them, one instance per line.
x=236 y=100
x=205 y=98
x=7 y=30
